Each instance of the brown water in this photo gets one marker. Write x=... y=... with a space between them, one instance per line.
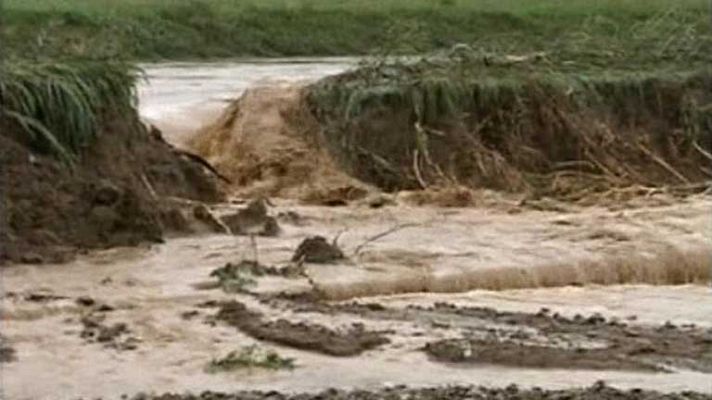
x=151 y=287
x=530 y=259
x=181 y=97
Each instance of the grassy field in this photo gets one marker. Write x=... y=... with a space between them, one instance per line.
x=194 y=29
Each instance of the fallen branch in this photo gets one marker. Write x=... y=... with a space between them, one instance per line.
x=702 y=151
x=383 y=234
x=416 y=170
x=663 y=163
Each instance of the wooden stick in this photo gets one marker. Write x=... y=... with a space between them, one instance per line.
x=702 y=151
x=663 y=163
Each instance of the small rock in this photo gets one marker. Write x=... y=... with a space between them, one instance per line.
x=86 y=301
x=317 y=250
x=105 y=308
x=32 y=258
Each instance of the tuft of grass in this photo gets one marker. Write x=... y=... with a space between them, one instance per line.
x=234 y=278
x=59 y=106
x=250 y=357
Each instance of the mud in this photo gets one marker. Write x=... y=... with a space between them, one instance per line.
x=540 y=340
x=112 y=197
x=635 y=349
x=597 y=392
x=303 y=336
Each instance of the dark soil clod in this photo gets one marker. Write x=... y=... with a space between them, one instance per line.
x=7 y=353
x=317 y=250
x=300 y=335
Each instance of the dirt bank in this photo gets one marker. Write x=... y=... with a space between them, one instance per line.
x=544 y=339
x=591 y=142
x=115 y=195
x=267 y=143
x=484 y=122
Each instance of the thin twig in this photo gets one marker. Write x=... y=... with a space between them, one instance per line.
x=383 y=234
x=150 y=188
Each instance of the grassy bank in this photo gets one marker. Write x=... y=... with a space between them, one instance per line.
x=189 y=29
x=563 y=123
x=59 y=106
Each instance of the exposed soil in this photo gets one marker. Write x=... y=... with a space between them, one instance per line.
x=113 y=197
x=553 y=345
x=596 y=392
x=542 y=340
x=303 y=336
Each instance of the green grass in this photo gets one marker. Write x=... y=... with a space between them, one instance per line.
x=190 y=29
x=59 y=106
x=250 y=357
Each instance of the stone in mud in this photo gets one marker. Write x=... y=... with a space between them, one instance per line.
x=318 y=251
x=252 y=220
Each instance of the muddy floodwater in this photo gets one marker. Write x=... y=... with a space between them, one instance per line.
x=181 y=97
x=624 y=289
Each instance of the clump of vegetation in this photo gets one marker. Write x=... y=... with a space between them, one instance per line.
x=250 y=357
x=59 y=106
x=235 y=278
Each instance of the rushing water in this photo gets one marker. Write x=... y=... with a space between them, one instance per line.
x=151 y=288
x=180 y=97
